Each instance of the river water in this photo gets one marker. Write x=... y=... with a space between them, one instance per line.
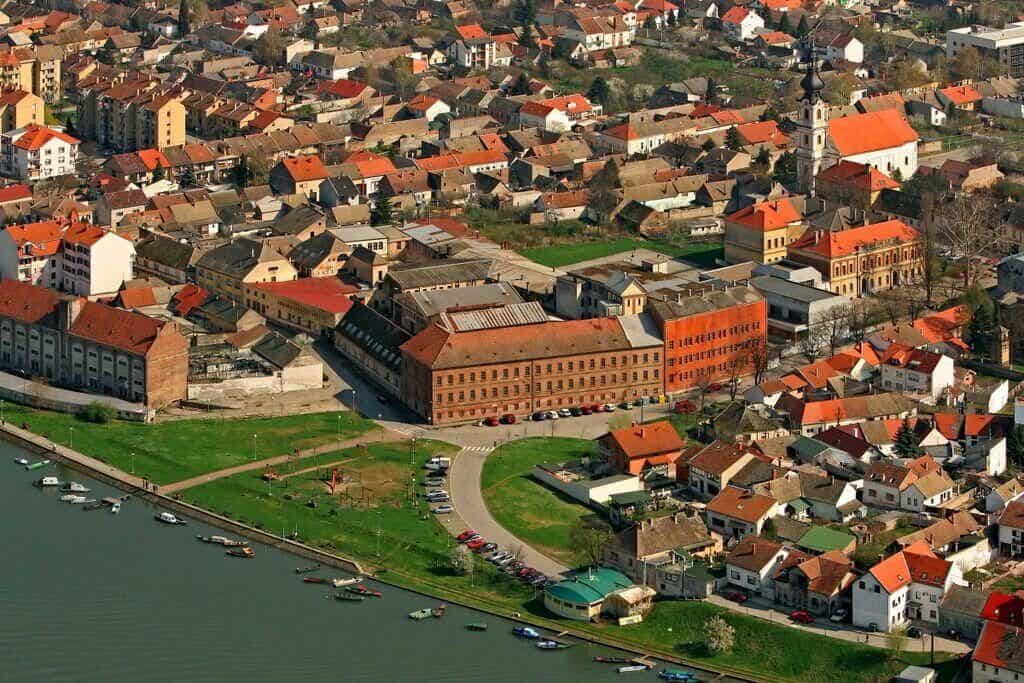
x=88 y=595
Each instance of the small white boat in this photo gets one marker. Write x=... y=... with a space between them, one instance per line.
x=46 y=481
x=115 y=508
x=338 y=583
x=21 y=461
x=74 y=487
x=168 y=518
x=631 y=668
x=73 y=499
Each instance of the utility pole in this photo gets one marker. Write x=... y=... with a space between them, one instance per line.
x=254 y=447
x=133 y=461
x=379 y=532
x=71 y=438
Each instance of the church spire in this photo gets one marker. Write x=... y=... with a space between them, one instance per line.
x=811 y=82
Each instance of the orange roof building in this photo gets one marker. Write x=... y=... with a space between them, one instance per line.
x=638 y=447
x=853 y=183
x=761 y=232
x=904 y=587
x=883 y=139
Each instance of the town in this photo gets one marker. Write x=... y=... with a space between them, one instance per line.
x=705 y=315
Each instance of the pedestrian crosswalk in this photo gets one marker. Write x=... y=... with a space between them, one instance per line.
x=477 y=449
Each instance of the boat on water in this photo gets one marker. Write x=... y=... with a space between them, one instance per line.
x=549 y=644
x=676 y=675
x=21 y=461
x=222 y=540
x=244 y=552
x=73 y=487
x=477 y=626
x=115 y=508
x=307 y=570
x=341 y=583
x=315 y=579
x=349 y=597
x=37 y=465
x=630 y=668
x=612 y=660
x=360 y=589
x=46 y=481
x=168 y=518
x=421 y=614
x=73 y=498
x=439 y=611
x=95 y=505
x=526 y=632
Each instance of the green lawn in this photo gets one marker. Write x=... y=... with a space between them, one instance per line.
x=701 y=253
x=170 y=451
x=866 y=555
x=536 y=514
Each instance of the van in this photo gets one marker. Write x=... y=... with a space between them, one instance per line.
x=438 y=463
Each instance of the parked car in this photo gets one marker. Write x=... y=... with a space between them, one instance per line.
x=539 y=416
x=465 y=535
x=565 y=412
x=801 y=616
x=508 y=419
x=587 y=410
x=553 y=415
x=434 y=481
x=838 y=617
x=576 y=412
x=914 y=632
x=444 y=509
x=498 y=557
x=714 y=386
x=610 y=407
x=737 y=596
x=438 y=463
x=491 y=421
x=597 y=408
x=488 y=547
x=478 y=543
x=507 y=560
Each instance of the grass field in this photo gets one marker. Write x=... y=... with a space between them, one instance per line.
x=536 y=514
x=867 y=554
x=171 y=451
x=700 y=253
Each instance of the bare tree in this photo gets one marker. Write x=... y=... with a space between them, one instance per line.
x=811 y=343
x=969 y=225
x=893 y=305
x=760 y=355
x=860 y=319
x=737 y=366
x=703 y=386
x=835 y=326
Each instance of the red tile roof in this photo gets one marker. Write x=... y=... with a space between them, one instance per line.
x=858 y=176
x=305 y=168
x=1004 y=608
x=153 y=158
x=761 y=132
x=137 y=297
x=961 y=94
x=189 y=297
x=943 y=325
x=1000 y=646
x=84 y=233
x=35 y=137
x=461 y=160
x=470 y=31
x=870 y=132
x=839 y=243
x=131 y=332
x=741 y=505
x=326 y=293
x=735 y=15
x=914 y=564
x=25 y=302
x=764 y=216
x=37 y=239
x=344 y=88
x=14 y=193
x=640 y=441
x=918 y=360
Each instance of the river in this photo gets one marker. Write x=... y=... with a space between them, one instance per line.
x=89 y=595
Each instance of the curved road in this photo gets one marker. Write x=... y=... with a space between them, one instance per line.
x=472 y=512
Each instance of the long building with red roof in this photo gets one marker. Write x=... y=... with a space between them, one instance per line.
x=311 y=304
x=86 y=346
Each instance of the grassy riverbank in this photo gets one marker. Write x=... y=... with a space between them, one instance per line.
x=170 y=451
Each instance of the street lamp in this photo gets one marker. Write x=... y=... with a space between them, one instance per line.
x=254 y=447
x=339 y=432
x=355 y=404
x=2 y=420
x=133 y=461
x=71 y=438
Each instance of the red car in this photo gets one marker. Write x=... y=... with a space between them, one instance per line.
x=491 y=421
x=465 y=535
x=737 y=596
x=714 y=386
x=587 y=410
x=801 y=616
x=598 y=408
x=478 y=543
x=508 y=418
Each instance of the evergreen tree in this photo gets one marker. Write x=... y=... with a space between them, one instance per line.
x=784 y=23
x=526 y=39
x=906 y=441
x=712 y=93
x=802 y=29
x=242 y=172
x=599 y=91
x=670 y=18
x=382 y=212
x=603 y=198
x=763 y=158
x=158 y=173
x=188 y=179
x=521 y=86
x=983 y=330
x=733 y=140
x=184 y=19
x=1015 y=445
x=708 y=145
x=525 y=12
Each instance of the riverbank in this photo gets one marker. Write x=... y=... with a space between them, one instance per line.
x=674 y=633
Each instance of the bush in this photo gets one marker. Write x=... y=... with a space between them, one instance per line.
x=97 y=413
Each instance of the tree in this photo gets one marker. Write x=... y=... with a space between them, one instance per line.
x=763 y=160
x=836 y=324
x=599 y=91
x=603 y=197
x=906 y=445
x=784 y=25
x=802 y=29
x=969 y=64
x=983 y=330
x=905 y=73
x=184 y=24
x=461 y=559
x=719 y=636
x=840 y=89
x=382 y=212
x=760 y=356
x=736 y=366
x=707 y=145
x=969 y=225
x=525 y=12
x=521 y=86
x=896 y=640
x=785 y=169
x=158 y=173
x=588 y=541
x=733 y=140
x=256 y=170
x=526 y=38
x=810 y=344
x=188 y=178
x=269 y=48
x=1015 y=445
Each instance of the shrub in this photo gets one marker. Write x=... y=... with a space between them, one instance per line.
x=97 y=413
x=719 y=636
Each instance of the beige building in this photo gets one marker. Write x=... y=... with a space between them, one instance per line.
x=762 y=232
x=310 y=305
x=133 y=115
x=228 y=268
x=19 y=109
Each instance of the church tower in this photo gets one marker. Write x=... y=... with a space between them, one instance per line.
x=811 y=128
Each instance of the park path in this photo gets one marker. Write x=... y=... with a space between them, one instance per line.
x=471 y=510
x=384 y=436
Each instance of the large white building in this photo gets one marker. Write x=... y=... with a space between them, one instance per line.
x=1005 y=45
x=881 y=139
x=79 y=258
x=37 y=153
x=904 y=587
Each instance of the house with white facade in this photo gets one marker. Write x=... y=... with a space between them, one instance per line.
x=908 y=370
x=846 y=48
x=557 y=114
x=915 y=487
x=998 y=656
x=735 y=513
x=599 y=32
x=1011 y=529
x=907 y=586
x=741 y=24
x=715 y=465
x=751 y=564
x=37 y=152
x=882 y=139
x=474 y=48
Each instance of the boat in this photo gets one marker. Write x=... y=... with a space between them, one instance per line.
x=348 y=597
x=439 y=611
x=526 y=632
x=168 y=518
x=115 y=508
x=21 y=461
x=421 y=614
x=73 y=487
x=245 y=552
x=360 y=589
x=549 y=644
x=612 y=660
x=630 y=668
x=46 y=481
x=306 y=570
x=676 y=675
x=73 y=498
x=95 y=505
x=222 y=540
x=315 y=579
x=341 y=583
x=477 y=626
x=37 y=465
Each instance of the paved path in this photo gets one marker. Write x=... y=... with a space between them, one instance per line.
x=760 y=608
x=472 y=512
x=367 y=438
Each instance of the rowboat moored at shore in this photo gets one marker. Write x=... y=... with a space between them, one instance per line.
x=46 y=481
x=439 y=611
x=244 y=552
x=21 y=461
x=477 y=626
x=630 y=668
x=37 y=465
x=306 y=570
x=222 y=540
x=115 y=508
x=315 y=579
x=526 y=632
x=676 y=675
x=349 y=597
x=420 y=614
x=73 y=487
x=549 y=644
x=612 y=660
x=360 y=589
x=341 y=583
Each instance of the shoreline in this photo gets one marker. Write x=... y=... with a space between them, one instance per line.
x=126 y=482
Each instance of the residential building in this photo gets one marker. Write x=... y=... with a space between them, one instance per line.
x=373 y=343
x=915 y=487
x=751 y=564
x=711 y=469
x=638 y=448
x=816 y=583
x=557 y=114
x=226 y=269
x=20 y=109
x=813 y=417
x=87 y=346
x=299 y=175
x=311 y=305
x=734 y=513
x=762 y=232
x=1004 y=46
x=999 y=653
x=909 y=370
x=36 y=153
x=167 y=259
x=1011 y=529
x=741 y=24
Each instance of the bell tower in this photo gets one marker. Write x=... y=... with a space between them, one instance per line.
x=811 y=127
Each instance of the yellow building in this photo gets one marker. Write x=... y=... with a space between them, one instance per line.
x=132 y=115
x=761 y=232
x=19 y=109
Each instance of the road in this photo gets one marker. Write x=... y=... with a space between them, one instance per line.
x=472 y=513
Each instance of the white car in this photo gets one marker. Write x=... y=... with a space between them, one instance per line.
x=553 y=415
x=610 y=407
x=838 y=616
x=443 y=509
x=497 y=558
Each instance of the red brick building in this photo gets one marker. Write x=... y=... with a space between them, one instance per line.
x=706 y=335
x=477 y=364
